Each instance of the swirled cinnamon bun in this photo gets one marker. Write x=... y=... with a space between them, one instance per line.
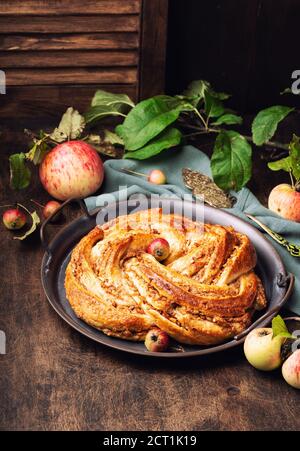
x=204 y=293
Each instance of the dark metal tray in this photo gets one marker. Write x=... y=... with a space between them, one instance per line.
x=278 y=284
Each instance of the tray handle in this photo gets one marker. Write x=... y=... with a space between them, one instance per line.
x=288 y=281
x=44 y=241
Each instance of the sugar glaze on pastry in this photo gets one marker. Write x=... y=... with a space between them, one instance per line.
x=203 y=294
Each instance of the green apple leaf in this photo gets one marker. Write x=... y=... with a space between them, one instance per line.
x=19 y=173
x=108 y=104
x=70 y=127
x=286 y=91
x=102 y=98
x=231 y=163
x=113 y=138
x=285 y=164
x=266 y=122
x=292 y=162
x=213 y=104
x=229 y=119
x=168 y=138
x=279 y=328
x=39 y=149
x=289 y=91
x=106 y=143
x=148 y=119
x=295 y=157
x=98 y=112
x=196 y=90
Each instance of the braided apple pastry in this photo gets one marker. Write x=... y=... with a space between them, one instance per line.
x=204 y=293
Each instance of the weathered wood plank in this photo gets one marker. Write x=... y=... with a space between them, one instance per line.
x=20 y=77
x=76 y=24
x=74 y=58
x=97 y=41
x=153 y=36
x=62 y=7
x=49 y=102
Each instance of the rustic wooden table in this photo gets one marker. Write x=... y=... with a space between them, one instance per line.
x=52 y=378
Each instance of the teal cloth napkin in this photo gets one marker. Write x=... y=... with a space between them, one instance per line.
x=172 y=162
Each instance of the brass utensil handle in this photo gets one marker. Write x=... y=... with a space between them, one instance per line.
x=290 y=280
x=293 y=249
x=44 y=240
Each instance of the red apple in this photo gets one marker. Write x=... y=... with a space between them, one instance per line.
x=157 y=177
x=50 y=208
x=157 y=340
x=285 y=201
x=159 y=248
x=72 y=169
x=291 y=370
x=14 y=219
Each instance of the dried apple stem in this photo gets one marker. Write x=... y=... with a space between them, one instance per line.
x=24 y=208
x=129 y=171
x=37 y=203
x=292 y=180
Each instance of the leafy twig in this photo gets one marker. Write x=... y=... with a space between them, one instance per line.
x=274 y=144
x=151 y=127
x=207 y=131
x=204 y=122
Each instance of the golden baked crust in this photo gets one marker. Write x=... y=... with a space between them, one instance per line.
x=204 y=293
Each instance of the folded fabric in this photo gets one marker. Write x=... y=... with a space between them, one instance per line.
x=121 y=185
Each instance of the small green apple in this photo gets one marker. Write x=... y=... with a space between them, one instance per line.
x=262 y=350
